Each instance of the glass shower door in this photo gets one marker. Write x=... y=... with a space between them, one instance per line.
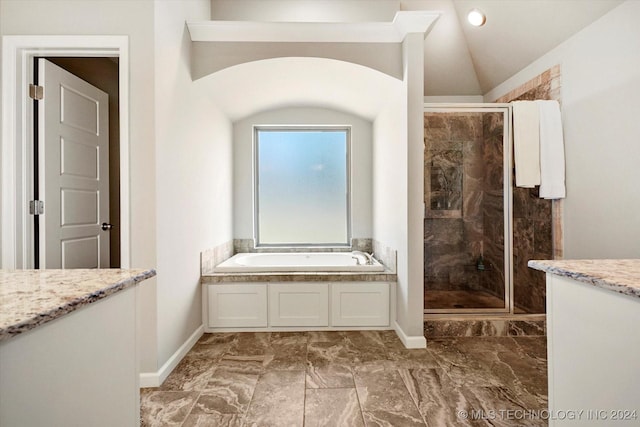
x=467 y=183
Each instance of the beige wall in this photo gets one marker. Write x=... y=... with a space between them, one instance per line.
x=600 y=69
x=193 y=174
x=180 y=152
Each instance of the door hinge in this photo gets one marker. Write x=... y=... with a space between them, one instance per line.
x=36 y=207
x=36 y=92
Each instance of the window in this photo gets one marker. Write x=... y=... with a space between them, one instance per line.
x=302 y=186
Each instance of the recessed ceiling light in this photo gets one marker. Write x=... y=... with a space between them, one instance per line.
x=476 y=18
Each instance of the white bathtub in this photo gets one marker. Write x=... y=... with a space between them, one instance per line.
x=296 y=261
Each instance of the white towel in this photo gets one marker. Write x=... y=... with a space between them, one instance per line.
x=526 y=143
x=552 y=184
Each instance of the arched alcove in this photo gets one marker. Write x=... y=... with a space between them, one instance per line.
x=256 y=86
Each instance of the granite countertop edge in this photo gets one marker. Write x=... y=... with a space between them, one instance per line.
x=583 y=271
x=47 y=316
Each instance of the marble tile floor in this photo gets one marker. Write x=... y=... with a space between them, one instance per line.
x=356 y=378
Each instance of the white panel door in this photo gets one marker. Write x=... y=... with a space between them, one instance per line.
x=74 y=171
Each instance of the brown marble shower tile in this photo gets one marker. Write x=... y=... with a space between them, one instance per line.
x=470 y=346
x=217 y=420
x=438 y=399
x=332 y=408
x=527 y=327
x=521 y=205
x=165 y=408
x=464 y=328
x=385 y=400
x=278 y=400
x=226 y=393
x=542 y=238
x=192 y=373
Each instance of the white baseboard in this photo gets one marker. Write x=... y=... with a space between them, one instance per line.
x=416 y=341
x=155 y=379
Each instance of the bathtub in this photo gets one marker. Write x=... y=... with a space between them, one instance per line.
x=297 y=261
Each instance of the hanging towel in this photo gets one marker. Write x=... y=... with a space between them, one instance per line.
x=552 y=184
x=526 y=143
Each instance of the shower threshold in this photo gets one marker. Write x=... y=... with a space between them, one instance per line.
x=461 y=299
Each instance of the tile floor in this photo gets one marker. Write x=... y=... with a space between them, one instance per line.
x=351 y=379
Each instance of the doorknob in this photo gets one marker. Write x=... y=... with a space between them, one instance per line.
x=106 y=226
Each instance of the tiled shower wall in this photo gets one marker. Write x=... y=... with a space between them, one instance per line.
x=536 y=226
x=459 y=221
x=460 y=178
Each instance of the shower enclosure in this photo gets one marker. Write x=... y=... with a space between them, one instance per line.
x=468 y=262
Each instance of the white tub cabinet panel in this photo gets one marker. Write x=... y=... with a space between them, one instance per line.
x=78 y=370
x=237 y=305
x=593 y=354
x=298 y=304
x=360 y=304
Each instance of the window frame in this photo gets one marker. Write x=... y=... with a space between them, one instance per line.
x=256 y=183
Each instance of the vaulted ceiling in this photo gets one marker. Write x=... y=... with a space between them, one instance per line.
x=464 y=60
x=459 y=59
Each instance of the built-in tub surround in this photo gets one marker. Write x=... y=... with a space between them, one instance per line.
x=211 y=257
x=31 y=298
x=316 y=297
x=299 y=261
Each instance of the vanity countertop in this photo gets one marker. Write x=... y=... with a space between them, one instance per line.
x=31 y=298
x=617 y=275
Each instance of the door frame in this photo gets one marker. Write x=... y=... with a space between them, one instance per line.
x=18 y=53
x=507 y=143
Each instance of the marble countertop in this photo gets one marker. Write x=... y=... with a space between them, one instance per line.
x=617 y=275
x=30 y=298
